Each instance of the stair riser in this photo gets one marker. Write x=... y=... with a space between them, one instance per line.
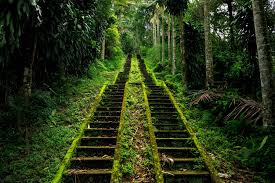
x=183 y=165
x=171 y=135
x=104 y=125
x=175 y=143
x=99 y=133
x=88 y=178
x=179 y=153
x=99 y=164
x=186 y=179
x=98 y=142
x=94 y=152
x=175 y=127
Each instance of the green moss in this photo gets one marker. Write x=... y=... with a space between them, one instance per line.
x=69 y=154
x=158 y=172
x=213 y=172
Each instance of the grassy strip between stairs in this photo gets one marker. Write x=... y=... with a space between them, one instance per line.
x=135 y=153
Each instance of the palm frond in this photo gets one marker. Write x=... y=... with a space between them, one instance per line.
x=206 y=96
x=248 y=109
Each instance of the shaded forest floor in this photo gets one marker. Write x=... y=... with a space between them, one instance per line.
x=34 y=153
x=240 y=151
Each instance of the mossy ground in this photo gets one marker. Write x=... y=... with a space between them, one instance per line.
x=58 y=115
x=136 y=155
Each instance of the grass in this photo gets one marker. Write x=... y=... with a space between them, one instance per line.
x=57 y=113
x=136 y=155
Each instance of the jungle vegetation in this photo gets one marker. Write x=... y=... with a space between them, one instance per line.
x=217 y=56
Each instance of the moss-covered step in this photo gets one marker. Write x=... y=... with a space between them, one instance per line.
x=165 y=118
x=159 y=109
x=175 y=142
x=110 y=104
x=88 y=176
x=113 y=89
x=178 y=152
x=98 y=141
x=94 y=151
x=168 y=126
x=162 y=104
x=171 y=133
x=158 y=97
x=107 y=118
x=174 y=164
x=107 y=100
x=86 y=163
x=118 y=108
x=162 y=121
x=187 y=176
x=113 y=95
x=153 y=100
x=107 y=113
x=100 y=132
x=167 y=114
x=104 y=124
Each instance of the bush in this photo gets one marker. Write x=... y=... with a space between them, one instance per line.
x=113 y=47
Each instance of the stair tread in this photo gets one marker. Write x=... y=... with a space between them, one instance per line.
x=109 y=116
x=163 y=112
x=152 y=103
x=186 y=172
x=167 y=124
x=89 y=171
x=91 y=158
x=104 y=122
x=96 y=147
x=183 y=159
x=173 y=139
x=176 y=148
x=170 y=131
x=102 y=129
x=98 y=137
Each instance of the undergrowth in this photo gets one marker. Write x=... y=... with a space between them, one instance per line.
x=34 y=152
x=238 y=149
x=135 y=152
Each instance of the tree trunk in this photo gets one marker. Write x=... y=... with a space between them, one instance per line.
x=183 y=56
x=103 y=48
x=154 y=34
x=158 y=32
x=162 y=41
x=27 y=76
x=231 y=18
x=169 y=41
x=208 y=47
x=264 y=58
x=174 y=46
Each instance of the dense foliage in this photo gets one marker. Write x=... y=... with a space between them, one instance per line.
x=53 y=52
